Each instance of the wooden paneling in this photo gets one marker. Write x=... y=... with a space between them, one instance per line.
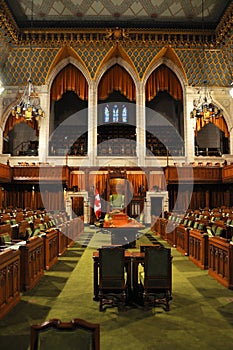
x=9 y=280
x=195 y=174
x=32 y=262
x=182 y=239
x=198 y=248
x=34 y=174
x=5 y=173
x=227 y=173
x=50 y=248
x=220 y=258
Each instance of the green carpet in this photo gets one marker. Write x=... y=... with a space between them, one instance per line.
x=200 y=316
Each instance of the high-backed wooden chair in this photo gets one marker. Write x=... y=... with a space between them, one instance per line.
x=156 y=279
x=53 y=334
x=112 y=281
x=117 y=201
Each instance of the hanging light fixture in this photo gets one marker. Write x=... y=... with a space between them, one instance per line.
x=29 y=103
x=203 y=106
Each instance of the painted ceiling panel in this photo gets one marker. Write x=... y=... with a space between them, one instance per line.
x=150 y=13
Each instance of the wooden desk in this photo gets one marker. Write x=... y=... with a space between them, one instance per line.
x=50 y=248
x=9 y=280
x=31 y=263
x=123 y=230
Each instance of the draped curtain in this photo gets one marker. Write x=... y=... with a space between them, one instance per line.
x=157 y=180
x=98 y=181
x=78 y=180
x=219 y=122
x=69 y=79
x=117 y=79
x=163 y=79
x=12 y=121
x=137 y=180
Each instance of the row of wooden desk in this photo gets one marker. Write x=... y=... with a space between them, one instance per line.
x=214 y=254
x=22 y=265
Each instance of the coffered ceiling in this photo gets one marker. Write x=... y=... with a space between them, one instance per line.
x=112 y=13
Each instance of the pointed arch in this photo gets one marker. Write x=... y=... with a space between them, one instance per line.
x=167 y=54
x=163 y=79
x=218 y=122
x=69 y=78
x=12 y=121
x=65 y=53
x=116 y=52
x=117 y=78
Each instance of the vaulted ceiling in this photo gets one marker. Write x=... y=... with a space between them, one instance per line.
x=112 y=13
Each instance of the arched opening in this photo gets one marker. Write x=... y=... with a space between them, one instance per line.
x=20 y=137
x=116 y=131
x=69 y=116
x=164 y=113
x=211 y=141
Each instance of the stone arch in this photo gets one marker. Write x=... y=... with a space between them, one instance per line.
x=117 y=52
x=122 y=63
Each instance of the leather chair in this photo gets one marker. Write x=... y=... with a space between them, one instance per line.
x=156 y=279
x=112 y=279
x=54 y=334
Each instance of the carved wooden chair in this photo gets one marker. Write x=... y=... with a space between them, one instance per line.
x=112 y=277
x=156 y=279
x=117 y=201
x=53 y=334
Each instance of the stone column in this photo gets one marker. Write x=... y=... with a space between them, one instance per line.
x=44 y=124
x=92 y=123
x=140 y=125
x=189 y=124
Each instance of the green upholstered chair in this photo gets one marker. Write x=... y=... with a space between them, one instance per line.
x=5 y=239
x=117 y=201
x=112 y=281
x=156 y=279
x=77 y=334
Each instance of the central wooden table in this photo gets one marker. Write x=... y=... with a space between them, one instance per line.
x=124 y=230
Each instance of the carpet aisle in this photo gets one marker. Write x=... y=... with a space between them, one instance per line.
x=201 y=315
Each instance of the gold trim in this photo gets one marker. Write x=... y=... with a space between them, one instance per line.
x=117 y=51
x=65 y=52
x=170 y=53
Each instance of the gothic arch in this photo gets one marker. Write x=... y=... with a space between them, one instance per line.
x=174 y=68
x=117 y=52
x=62 y=64
x=122 y=63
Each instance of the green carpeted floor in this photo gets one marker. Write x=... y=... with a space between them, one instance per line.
x=201 y=314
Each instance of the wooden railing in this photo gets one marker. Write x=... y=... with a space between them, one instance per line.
x=195 y=174
x=41 y=173
x=227 y=173
x=5 y=173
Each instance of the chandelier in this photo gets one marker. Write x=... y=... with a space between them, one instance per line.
x=203 y=106
x=28 y=106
